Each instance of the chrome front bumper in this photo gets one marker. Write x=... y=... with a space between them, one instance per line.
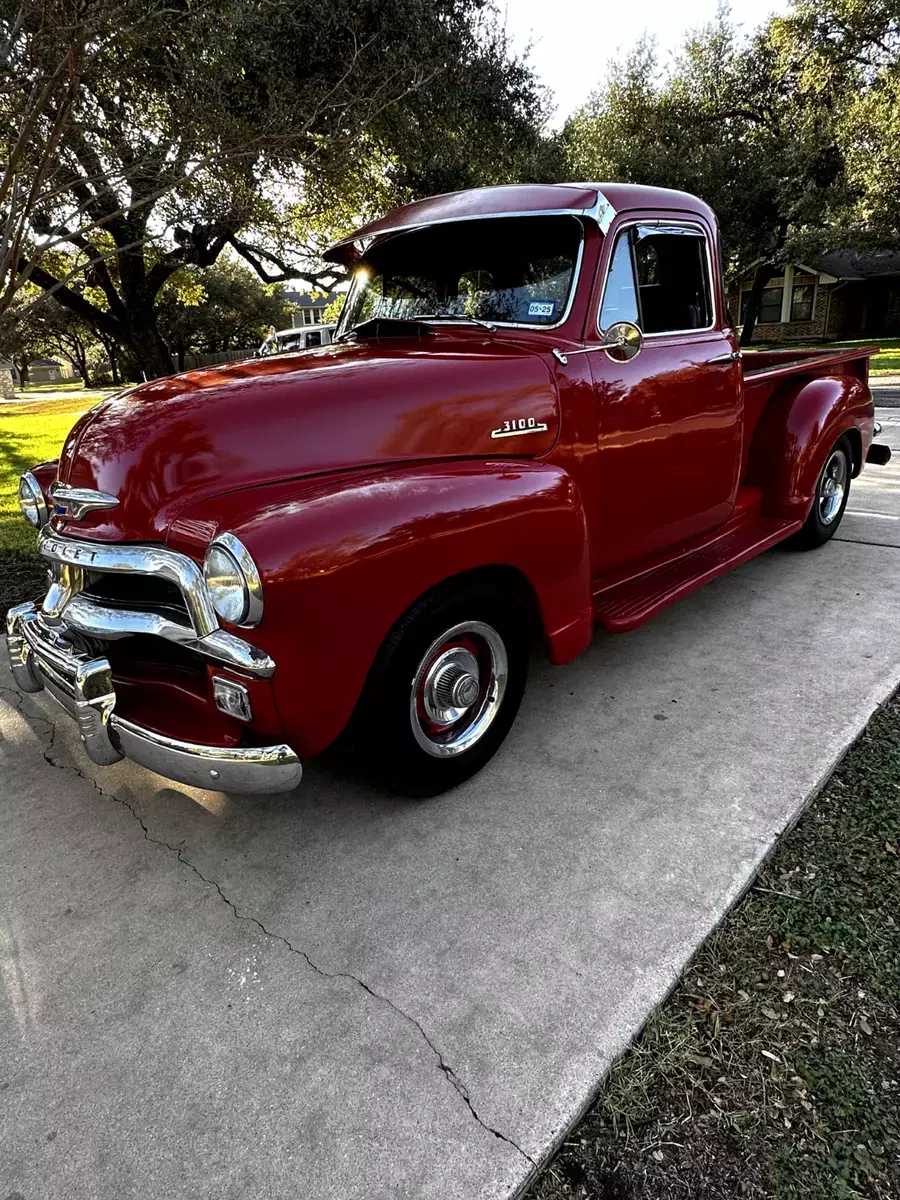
x=70 y=557
x=41 y=659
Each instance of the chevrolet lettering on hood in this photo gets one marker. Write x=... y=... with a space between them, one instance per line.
x=531 y=419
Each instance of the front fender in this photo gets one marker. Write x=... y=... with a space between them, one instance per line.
x=798 y=427
x=342 y=558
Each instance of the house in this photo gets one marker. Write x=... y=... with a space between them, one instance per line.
x=310 y=309
x=833 y=297
x=45 y=370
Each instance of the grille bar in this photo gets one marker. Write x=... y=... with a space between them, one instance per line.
x=139 y=560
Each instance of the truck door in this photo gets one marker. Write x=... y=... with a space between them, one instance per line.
x=670 y=419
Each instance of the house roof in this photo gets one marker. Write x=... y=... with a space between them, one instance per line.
x=846 y=264
x=43 y=362
x=597 y=201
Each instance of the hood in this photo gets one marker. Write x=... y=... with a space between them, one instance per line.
x=174 y=441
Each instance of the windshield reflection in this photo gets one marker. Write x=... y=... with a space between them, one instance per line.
x=508 y=270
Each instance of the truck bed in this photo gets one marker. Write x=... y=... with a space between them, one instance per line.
x=773 y=364
x=765 y=371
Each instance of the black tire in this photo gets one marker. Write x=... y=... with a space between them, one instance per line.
x=824 y=518
x=407 y=663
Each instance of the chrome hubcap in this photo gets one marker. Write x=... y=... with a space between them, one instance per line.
x=451 y=685
x=832 y=486
x=458 y=689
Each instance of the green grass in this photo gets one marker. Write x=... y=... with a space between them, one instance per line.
x=772 y=1072
x=30 y=433
x=885 y=362
x=59 y=385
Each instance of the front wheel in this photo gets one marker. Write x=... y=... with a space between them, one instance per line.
x=444 y=690
x=832 y=493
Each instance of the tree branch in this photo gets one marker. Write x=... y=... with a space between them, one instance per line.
x=77 y=304
x=254 y=254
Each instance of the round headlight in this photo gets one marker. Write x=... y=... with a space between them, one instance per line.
x=31 y=501
x=233 y=581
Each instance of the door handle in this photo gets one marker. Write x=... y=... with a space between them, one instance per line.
x=730 y=357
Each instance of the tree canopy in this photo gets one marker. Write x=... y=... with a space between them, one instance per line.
x=789 y=136
x=223 y=307
x=198 y=124
x=146 y=139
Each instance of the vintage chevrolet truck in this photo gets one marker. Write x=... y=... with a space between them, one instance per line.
x=534 y=420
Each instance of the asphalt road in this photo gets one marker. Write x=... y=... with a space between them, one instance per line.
x=336 y=993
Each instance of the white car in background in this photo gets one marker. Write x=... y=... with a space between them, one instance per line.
x=306 y=337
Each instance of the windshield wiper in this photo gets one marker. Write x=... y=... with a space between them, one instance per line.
x=419 y=319
x=378 y=327
x=457 y=317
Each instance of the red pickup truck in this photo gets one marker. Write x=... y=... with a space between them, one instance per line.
x=534 y=419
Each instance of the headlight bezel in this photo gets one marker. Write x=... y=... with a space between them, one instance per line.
x=36 y=496
x=245 y=569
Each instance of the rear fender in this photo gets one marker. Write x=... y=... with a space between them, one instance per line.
x=797 y=429
x=342 y=558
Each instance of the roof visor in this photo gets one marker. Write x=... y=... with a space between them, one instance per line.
x=525 y=200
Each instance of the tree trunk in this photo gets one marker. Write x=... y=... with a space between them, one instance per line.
x=112 y=354
x=150 y=352
x=179 y=350
x=763 y=274
x=75 y=351
x=81 y=358
x=22 y=366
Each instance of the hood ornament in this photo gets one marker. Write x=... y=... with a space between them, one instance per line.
x=73 y=503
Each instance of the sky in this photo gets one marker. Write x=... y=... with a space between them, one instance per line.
x=573 y=40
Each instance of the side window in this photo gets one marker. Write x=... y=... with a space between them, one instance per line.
x=619 y=297
x=673 y=279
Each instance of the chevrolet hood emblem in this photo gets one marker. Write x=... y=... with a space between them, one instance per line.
x=74 y=503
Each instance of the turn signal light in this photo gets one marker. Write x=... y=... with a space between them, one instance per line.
x=232 y=699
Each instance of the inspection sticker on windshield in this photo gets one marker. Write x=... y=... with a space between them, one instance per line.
x=541 y=308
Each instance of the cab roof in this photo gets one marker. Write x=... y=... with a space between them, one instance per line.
x=596 y=201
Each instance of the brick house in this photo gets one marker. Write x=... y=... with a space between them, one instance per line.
x=834 y=297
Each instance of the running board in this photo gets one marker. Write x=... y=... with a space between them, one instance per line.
x=626 y=605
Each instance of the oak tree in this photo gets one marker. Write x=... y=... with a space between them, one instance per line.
x=204 y=123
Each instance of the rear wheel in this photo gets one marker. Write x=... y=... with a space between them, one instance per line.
x=832 y=493
x=444 y=690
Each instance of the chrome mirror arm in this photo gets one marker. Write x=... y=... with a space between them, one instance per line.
x=623 y=335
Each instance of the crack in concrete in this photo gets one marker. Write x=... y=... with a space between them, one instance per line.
x=859 y=542
x=444 y=1066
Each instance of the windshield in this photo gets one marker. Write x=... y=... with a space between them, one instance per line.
x=509 y=270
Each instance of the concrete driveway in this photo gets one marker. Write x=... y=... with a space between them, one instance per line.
x=336 y=993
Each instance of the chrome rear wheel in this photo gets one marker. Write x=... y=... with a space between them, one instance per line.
x=833 y=485
x=830 y=499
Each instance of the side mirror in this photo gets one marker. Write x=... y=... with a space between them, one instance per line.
x=622 y=341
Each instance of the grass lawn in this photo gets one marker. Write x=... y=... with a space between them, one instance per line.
x=886 y=362
x=60 y=385
x=30 y=433
x=772 y=1072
